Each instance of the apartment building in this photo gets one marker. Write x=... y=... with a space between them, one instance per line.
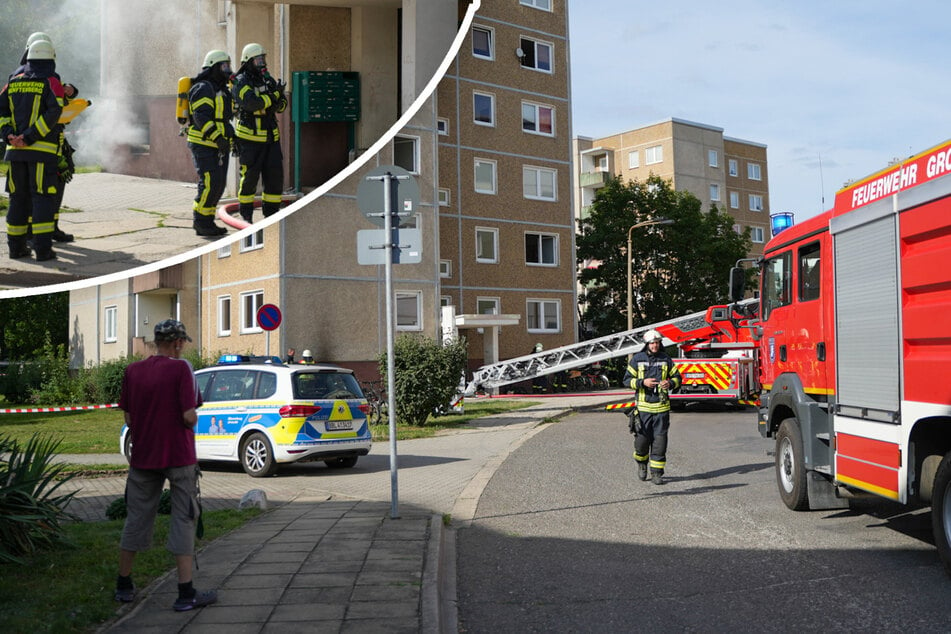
x=490 y=150
x=719 y=170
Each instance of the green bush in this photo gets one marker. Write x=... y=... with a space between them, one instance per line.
x=104 y=381
x=58 y=387
x=427 y=375
x=20 y=380
x=30 y=509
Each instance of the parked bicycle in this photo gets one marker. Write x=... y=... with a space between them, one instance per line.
x=376 y=400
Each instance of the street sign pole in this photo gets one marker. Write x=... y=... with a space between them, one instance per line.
x=388 y=179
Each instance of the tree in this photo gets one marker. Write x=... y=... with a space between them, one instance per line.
x=676 y=269
x=28 y=323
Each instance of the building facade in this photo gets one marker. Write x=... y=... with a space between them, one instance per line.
x=490 y=150
x=719 y=170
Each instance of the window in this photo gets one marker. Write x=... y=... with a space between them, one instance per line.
x=487 y=306
x=445 y=300
x=224 y=315
x=756 y=235
x=442 y=126
x=809 y=272
x=756 y=202
x=538 y=119
x=539 y=183
x=543 y=315
x=633 y=160
x=225 y=251
x=442 y=196
x=253 y=241
x=536 y=55
x=776 y=283
x=541 y=249
x=483 y=42
x=110 y=324
x=734 y=170
x=485 y=176
x=714 y=192
x=445 y=268
x=601 y=163
x=735 y=200
x=654 y=155
x=487 y=245
x=408 y=310
x=250 y=303
x=406 y=153
x=544 y=5
x=713 y=158
x=483 y=108
x=753 y=172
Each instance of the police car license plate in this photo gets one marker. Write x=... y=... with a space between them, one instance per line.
x=339 y=425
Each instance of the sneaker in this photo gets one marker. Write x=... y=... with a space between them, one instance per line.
x=641 y=470
x=657 y=477
x=210 y=230
x=42 y=256
x=125 y=595
x=61 y=236
x=200 y=600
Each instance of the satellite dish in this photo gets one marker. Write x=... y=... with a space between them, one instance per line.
x=519 y=53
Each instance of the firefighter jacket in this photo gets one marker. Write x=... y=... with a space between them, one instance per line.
x=30 y=105
x=642 y=366
x=258 y=99
x=209 y=112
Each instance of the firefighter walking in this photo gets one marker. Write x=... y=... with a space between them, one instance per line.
x=258 y=98
x=652 y=374
x=210 y=136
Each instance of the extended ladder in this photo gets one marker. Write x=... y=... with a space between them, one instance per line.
x=574 y=355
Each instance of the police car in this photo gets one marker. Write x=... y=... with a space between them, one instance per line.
x=260 y=412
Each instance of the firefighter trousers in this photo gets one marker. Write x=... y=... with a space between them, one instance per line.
x=650 y=441
x=33 y=187
x=263 y=161
x=212 y=168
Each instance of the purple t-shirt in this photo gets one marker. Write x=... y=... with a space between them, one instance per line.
x=156 y=392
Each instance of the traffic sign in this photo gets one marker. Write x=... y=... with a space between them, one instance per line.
x=370 y=196
x=269 y=316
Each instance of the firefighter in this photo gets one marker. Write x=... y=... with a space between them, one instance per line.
x=210 y=137
x=652 y=374
x=30 y=106
x=258 y=98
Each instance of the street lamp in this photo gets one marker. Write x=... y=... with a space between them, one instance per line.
x=630 y=281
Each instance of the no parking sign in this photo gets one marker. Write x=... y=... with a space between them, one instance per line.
x=269 y=317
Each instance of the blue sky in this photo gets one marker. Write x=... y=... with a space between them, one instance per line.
x=855 y=83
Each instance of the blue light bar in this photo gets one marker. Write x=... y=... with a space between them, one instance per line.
x=780 y=222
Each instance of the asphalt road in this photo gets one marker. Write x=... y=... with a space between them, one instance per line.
x=566 y=539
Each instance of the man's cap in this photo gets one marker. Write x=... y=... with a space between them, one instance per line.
x=170 y=330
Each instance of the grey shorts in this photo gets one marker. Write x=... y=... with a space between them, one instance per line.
x=143 y=491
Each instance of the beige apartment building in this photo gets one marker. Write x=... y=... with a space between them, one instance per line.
x=490 y=150
x=719 y=170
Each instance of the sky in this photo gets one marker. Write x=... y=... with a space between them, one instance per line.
x=835 y=89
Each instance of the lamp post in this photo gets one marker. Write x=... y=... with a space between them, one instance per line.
x=630 y=281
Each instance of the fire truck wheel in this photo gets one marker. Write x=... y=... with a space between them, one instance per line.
x=941 y=512
x=790 y=468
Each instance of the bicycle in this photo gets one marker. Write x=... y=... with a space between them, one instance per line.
x=376 y=400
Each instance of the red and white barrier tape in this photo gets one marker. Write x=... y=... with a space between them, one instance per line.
x=40 y=410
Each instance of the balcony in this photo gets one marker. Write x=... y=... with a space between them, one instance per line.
x=164 y=279
x=596 y=180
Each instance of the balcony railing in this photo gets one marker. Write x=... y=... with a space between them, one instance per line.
x=594 y=179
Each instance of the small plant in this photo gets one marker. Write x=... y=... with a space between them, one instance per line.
x=30 y=509
x=118 y=510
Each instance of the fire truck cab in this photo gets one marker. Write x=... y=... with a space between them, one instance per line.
x=855 y=345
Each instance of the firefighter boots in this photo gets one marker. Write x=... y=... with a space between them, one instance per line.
x=18 y=249
x=208 y=229
x=641 y=470
x=657 y=477
x=43 y=255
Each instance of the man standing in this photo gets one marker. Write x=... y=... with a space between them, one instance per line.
x=653 y=375
x=159 y=398
x=258 y=98
x=30 y=106
x=210 y=136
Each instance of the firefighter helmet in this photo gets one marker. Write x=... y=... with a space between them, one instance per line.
x=40 y=49
x=307 y=354
x=36 y=37
x=251 y=50
x=215 y=57
x=652 y=335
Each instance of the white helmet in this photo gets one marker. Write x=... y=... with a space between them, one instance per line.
x=652 y=335
x=215 y=57
x=36 y=37
x=307 y=354
x=40 y=49
x=251 y=50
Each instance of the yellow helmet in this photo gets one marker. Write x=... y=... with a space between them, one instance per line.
x=40 y=49
x=215 y=57
x=251 y=50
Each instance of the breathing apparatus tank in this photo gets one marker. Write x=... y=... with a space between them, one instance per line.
x=181 y=103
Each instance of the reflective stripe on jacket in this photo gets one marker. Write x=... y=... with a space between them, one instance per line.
x=211 y=113
x=30 y=105
x=644 y=366
x=256 y=108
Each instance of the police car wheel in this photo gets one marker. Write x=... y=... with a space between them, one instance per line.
x=790 y=467
x=344 y=462
x=941 y=512
x=127 y=448
x=257 y=457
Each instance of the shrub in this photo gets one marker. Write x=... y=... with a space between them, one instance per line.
x=57 y=387
x=427 y=375
x=104 y=381
x=30 y=509
x=20 y=380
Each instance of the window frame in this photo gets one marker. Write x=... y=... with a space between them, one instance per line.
x=733 y=168
x=633 y=159
x=534 y=4
x=476 y=111
x=523 y=39
x=536 y=110
x=713 y=158
x=110 y=323
x=715 y=192
x=442 y=126
x=538 y=184
x=490 y=33
x=806 y=253
x=757 y=231
x=415 y=142
x=250 y=327
x=654 y=155
x=496 y=301
x=222 y=314
x=445 y=268
x=541 y=236
x=494 y=232
x=754 y=171
x=758 y=198
x=734 y=200
x=542 y=315
x=443 y=196
x=418 y=323
x=495 y=175
x=252 y=242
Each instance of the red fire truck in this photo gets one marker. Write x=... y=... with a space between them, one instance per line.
x=855 y=345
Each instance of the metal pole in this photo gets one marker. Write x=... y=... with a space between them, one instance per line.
x=630 y=316
x=390 y=361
